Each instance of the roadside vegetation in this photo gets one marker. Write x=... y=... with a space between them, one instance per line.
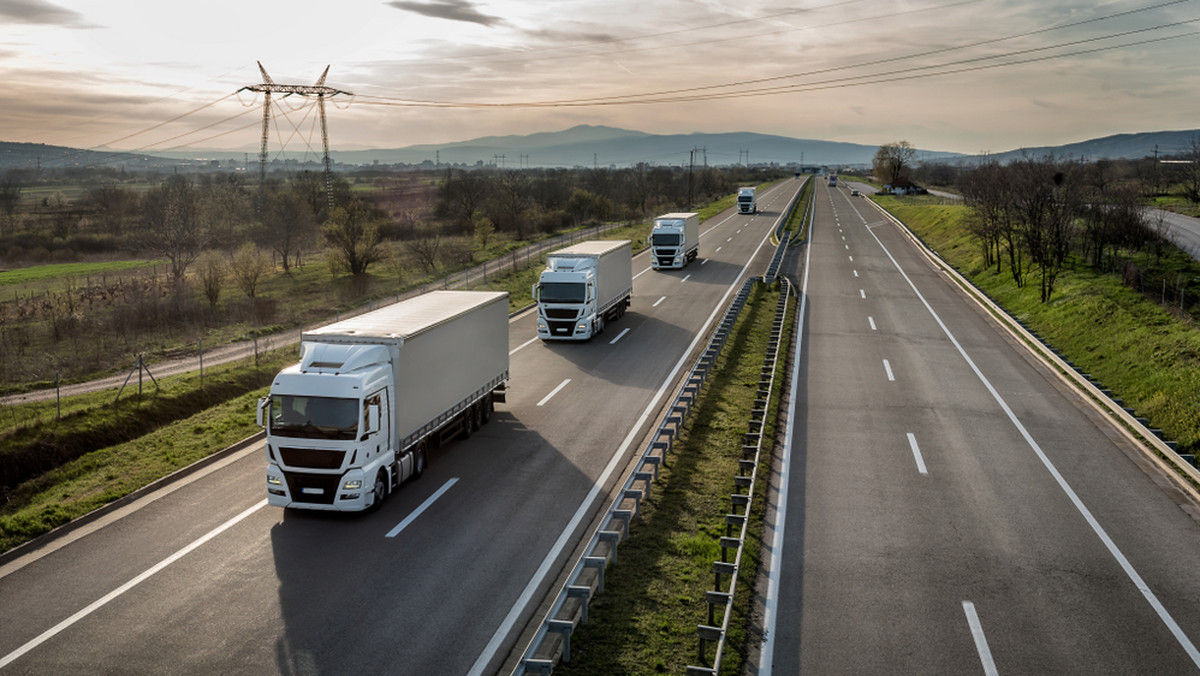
x=654 y=596
x=65 y=461
x=98 y=266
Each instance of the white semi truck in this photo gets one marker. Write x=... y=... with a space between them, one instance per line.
x=374 y=394
x=747 y=200
x=674 y=240
x=582 y=287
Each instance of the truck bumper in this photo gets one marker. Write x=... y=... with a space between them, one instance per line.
x=324 y=492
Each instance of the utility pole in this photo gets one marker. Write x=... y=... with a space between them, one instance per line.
x=319 y=90
x=691 y=163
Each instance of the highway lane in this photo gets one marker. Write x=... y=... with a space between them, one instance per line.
x=951 y=506
x=204 y=578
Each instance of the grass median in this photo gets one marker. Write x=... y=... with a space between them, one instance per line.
x=654 y=598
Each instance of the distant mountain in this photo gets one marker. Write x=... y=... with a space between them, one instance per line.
x=1118 y=146
x=40 y=155
x=587 y=145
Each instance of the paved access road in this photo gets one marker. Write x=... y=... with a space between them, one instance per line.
x=203 y=578
x=951 y=507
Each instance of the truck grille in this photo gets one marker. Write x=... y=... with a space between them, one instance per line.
x=561 y=328
x=312 y=458
x=669 y=259
x=319 y=489
x=561 y=313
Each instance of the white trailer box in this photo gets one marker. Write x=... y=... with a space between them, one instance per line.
x=674 y=240
x=582 y=287
x=373 y=394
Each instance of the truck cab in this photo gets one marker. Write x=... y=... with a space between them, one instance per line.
x=566 y=298
x=329 y=429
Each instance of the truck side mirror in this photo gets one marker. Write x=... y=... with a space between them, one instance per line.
x=533 y=291
x=260 y=415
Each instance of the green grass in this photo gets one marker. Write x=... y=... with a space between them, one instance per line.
x=645 y=621
x=41 y=273
x=104 y=448
x=1146 y=355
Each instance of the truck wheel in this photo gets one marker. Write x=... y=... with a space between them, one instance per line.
x=486 y=407
x=420 y=460
x=380 y=489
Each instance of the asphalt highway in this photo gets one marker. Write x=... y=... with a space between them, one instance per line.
x=945 y=504
x=202 y=577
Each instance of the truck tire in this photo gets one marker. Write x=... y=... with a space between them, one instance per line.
x=488 y=407
x=420 y=460
x=380 y=489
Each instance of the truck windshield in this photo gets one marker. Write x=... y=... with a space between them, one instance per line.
x=562 y=292
x=314 y=417
x=664 y=239
x=745 y=198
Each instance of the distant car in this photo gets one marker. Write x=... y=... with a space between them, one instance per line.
x=854 y=192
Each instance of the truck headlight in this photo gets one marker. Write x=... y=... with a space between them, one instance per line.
x=581 y=327
x=274 y=480
x=352 y=485
x=541 y=325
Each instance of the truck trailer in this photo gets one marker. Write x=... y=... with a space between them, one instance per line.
x=372 y=395
x=747 y=200
x=582 y=287
x=674 y=240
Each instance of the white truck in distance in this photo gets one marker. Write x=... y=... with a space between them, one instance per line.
x=374 y=394
x=582 y=287
x=674 y=240
x=747 y=200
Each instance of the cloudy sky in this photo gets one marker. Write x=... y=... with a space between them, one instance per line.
x=954 y=75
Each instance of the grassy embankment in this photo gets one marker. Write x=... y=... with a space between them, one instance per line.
x=1147 y=355
x=104 y=448
x=646 y=619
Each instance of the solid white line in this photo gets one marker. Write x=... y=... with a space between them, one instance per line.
x=872 y=321
x=523 y=345
x=985 y=653
x=916 y=451
x=888 y=367
x=424 y=506
x=685 y=279
x=1116 y=553
x=585 y=506
x=619 y=336
x=554 y=392
x=658 y=301
x=775 y=553
x=96 y=605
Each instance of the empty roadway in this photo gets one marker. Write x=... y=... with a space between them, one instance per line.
x=951 y=506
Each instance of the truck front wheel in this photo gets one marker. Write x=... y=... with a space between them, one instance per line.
x=380 y=489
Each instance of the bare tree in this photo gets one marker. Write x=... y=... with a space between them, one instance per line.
x=288 y=224
x=249 y=266
x=174 y=229
x=892 y=162
x=353 y=238
x=212 y=275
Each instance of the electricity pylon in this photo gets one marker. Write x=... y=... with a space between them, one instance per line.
x=318 y=90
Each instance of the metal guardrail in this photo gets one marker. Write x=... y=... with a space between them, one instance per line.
x=737 y=522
